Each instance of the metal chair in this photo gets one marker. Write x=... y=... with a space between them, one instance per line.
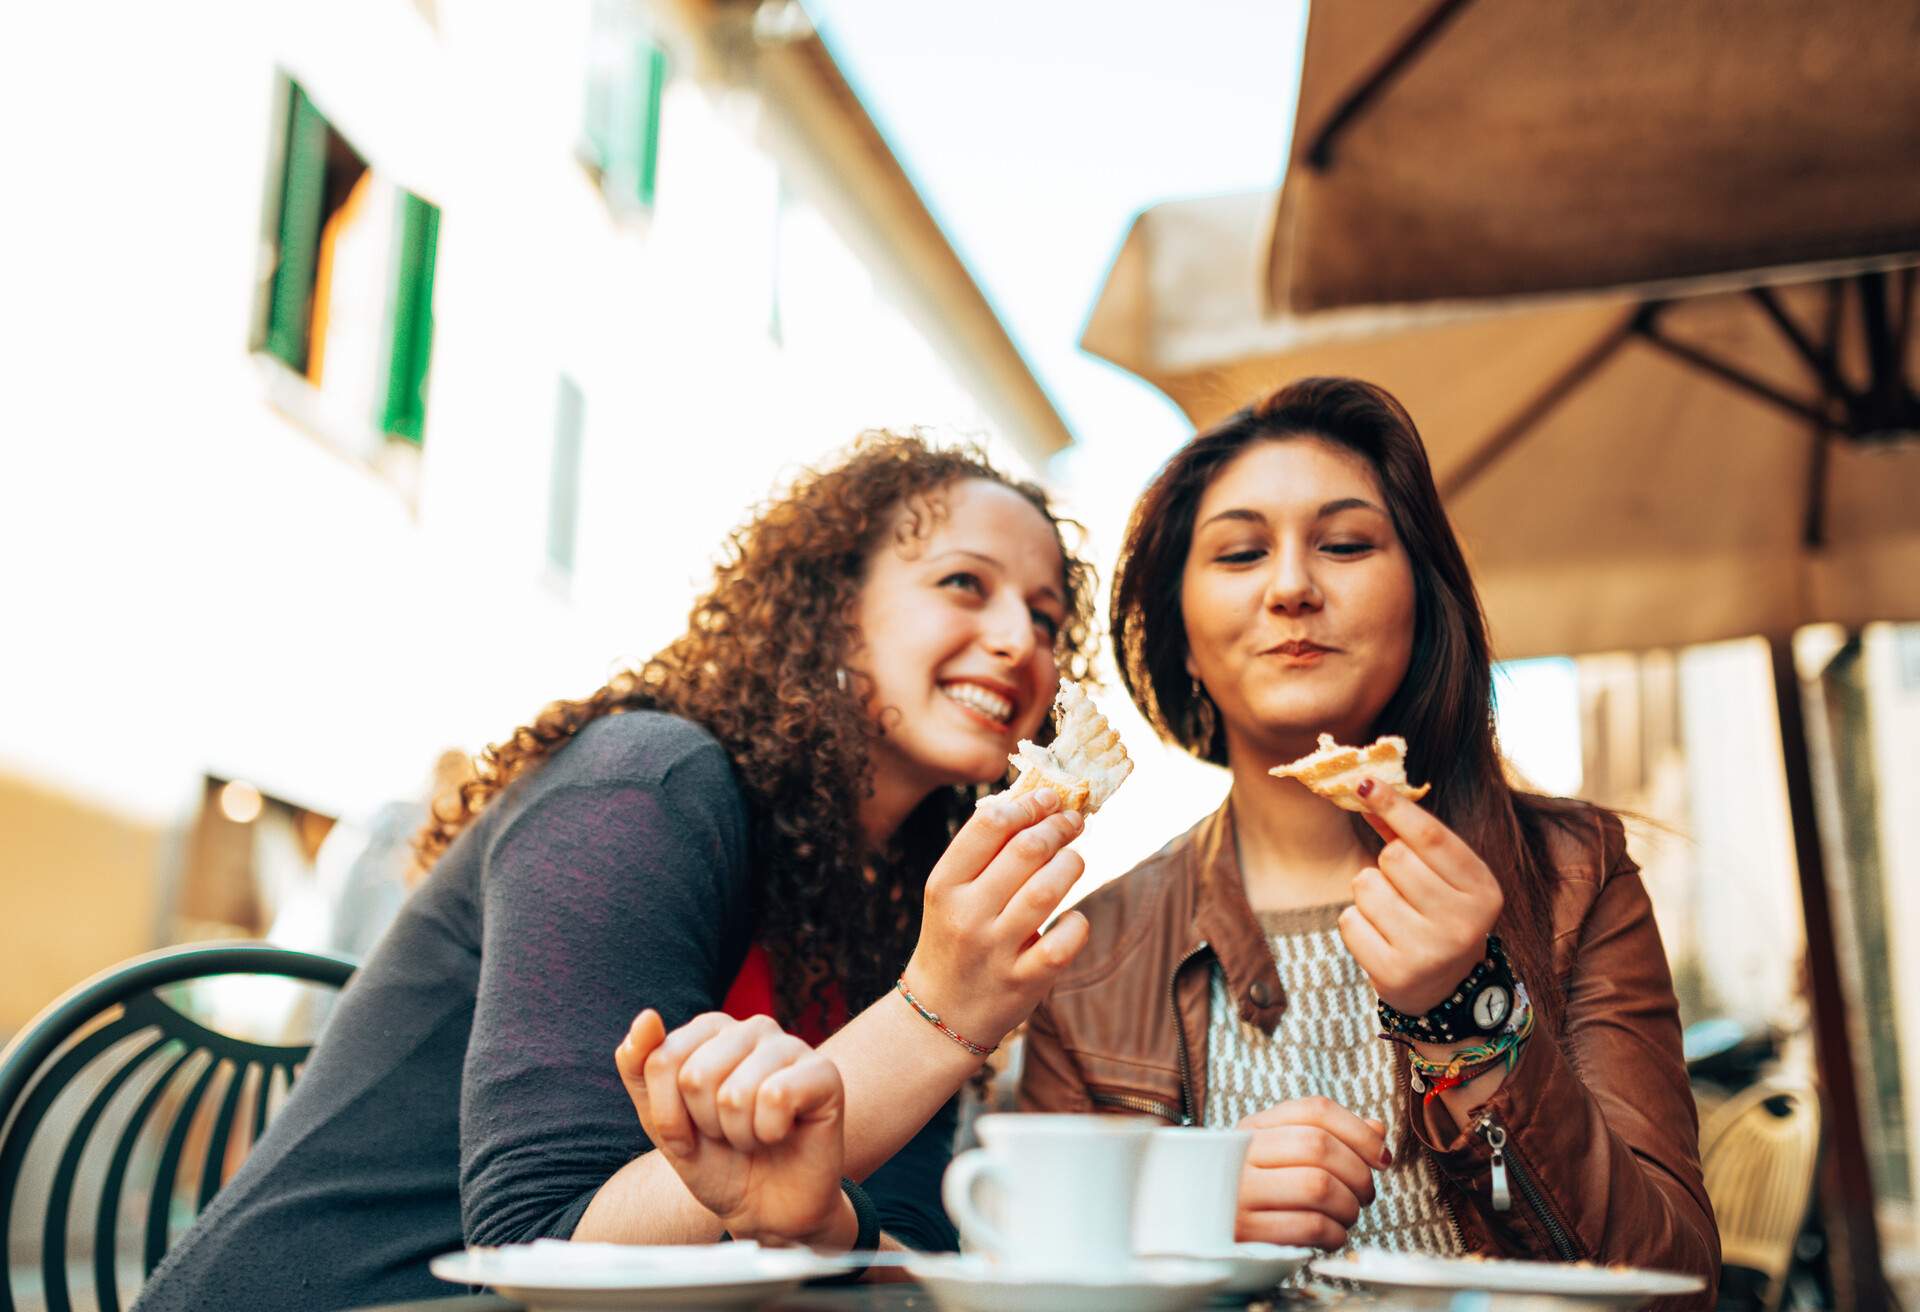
x=1758 y=1152
x=114 y=1044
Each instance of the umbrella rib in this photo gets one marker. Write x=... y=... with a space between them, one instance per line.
x=1356 y=102
x=1820 y=361
x=1509 y=434
x=1727 y=373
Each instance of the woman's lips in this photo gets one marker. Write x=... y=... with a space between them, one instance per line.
x=1298 y=654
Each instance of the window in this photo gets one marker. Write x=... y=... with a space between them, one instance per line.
x=348 y=282
x=563 y=486
x=626 y=77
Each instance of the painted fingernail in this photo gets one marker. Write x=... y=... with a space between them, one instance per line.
x=1366 y=788
x=1386 y=1157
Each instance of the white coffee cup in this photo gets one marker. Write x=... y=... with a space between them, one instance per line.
x=1189 y=1191
x=1062 y=1189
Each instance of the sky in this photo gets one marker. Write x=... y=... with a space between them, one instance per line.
x=1037 y=131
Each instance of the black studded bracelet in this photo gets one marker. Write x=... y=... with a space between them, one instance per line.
x=1451 y=1020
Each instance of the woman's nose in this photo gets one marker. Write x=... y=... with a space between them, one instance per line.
x=1290 y=585
x=1009 y=630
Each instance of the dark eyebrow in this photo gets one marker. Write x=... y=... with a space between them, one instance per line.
x=1330 y=508
x=1047 y=591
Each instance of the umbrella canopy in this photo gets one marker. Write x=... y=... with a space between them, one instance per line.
x=1472 y=148
x=1636 y=468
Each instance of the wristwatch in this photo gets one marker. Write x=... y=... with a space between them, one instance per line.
x=1481 y=1006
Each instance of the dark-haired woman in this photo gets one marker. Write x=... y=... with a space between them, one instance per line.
x=748 y=840
x=1329 y=980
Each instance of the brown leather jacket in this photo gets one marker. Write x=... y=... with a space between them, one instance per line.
x=1602 y=1135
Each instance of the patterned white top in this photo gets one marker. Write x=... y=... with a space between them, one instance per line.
x=1327 y=1042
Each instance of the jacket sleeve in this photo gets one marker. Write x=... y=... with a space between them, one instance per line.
x=1050 y=1081
x=1602 y=1137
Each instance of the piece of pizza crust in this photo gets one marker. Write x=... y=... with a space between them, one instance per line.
x=1335 y=772
x=1085 y=763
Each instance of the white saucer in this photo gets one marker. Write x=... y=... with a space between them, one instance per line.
x=1255 y=1267
x=551 y=1275
x=971 y=1283
x=1589 y=1286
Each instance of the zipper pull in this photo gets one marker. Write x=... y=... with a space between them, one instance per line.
x=1497 y=1140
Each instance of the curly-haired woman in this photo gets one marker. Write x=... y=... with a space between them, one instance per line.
x=1288 y=573
x=774 y=814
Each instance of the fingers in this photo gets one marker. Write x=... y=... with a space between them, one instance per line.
x=1035 y=900
x=646 y=1033
x=986 y=832
x=1442 y=849
x=706 y=1068
x=1292 y=1229
x=807 y=1089
x=1312 y=1147
x=1368 y=1138
x=1380 y=902
x=1026 y=853
x=1298 y=1189
x=1054 y=950
x=1368 y=946
x=738 y=1097
x=667 y=1121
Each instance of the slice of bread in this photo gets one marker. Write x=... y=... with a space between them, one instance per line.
x=1085 y=763
x=1335 y=772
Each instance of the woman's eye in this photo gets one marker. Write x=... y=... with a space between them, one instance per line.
x=1047 y=624
x=1244 y=556
x=965 y=582
x=1347 y=548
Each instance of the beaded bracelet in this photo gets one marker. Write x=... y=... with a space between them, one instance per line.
x=1433 y=1078
x=935 y=1021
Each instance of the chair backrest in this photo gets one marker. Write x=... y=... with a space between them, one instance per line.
x=133 y=1063
x=1758 y=1151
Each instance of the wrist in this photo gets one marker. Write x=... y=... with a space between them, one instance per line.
x=975 y=1035
x=837 y=1233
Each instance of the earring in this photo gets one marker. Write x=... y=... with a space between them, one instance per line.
x=1201 y=720
x=840 y=678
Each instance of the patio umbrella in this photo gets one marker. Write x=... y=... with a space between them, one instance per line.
x=1645 y=275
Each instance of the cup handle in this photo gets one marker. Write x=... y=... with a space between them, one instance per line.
x=957 y=1190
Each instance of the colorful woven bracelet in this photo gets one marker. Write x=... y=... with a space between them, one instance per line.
x=934 y=1020
x=1433 y=1078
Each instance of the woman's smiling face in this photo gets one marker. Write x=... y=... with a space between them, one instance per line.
x=1297 y=596
x=957 y=629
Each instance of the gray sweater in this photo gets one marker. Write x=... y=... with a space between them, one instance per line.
x=464 y=1091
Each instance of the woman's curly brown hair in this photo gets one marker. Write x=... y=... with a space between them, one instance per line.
x=759 y=667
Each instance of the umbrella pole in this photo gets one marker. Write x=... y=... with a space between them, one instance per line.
x=1853 y=1237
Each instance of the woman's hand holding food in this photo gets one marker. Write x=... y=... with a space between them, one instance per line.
x=982 y=963
x=750 y=1118
x=1421 y=914
x=1309 y=1171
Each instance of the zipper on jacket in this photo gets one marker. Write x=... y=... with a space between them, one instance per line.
x=1180 y=1034
x=1166 y=1111
x=1506 y=1165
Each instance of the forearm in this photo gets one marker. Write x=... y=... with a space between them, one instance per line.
x=898 y=1072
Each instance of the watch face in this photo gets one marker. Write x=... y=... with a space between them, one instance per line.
x=1490 y=1007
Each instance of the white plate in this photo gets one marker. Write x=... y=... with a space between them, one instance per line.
x=971 y=1283
x=1593 y=1286
x=551 y=1275
x=1254 y=1267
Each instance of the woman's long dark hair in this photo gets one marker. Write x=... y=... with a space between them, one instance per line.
x=1444 y=706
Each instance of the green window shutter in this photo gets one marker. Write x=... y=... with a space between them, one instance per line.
x=653 y=62
x=405 y=412
x=302 y=197
x=628 y=137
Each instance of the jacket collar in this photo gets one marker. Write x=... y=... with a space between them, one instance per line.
x=1224 y=920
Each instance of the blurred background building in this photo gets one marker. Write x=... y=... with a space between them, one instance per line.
x=383 y=370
